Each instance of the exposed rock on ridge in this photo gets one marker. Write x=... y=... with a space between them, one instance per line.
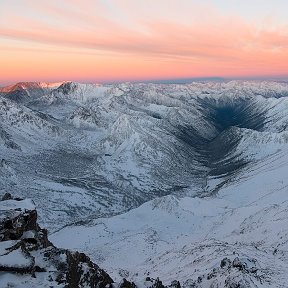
x=26 y=250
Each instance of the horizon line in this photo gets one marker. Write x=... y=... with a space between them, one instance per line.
x=181 y=80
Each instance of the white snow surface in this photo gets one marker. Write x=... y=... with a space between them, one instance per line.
x=20 y=205
x=151 y=179
x=185 y=238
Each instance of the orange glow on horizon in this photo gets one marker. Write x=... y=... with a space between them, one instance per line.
x=73 y=43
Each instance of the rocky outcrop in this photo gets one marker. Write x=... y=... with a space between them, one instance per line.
x=25 y=249
x=66 y=88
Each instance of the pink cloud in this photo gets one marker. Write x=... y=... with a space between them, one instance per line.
x=218 y=45
x=163 y=38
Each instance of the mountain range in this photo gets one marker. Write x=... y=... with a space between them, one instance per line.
x=177 y=181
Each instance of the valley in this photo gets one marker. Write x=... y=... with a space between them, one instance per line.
x=155 y=180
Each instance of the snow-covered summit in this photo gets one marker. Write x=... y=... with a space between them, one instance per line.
x=24 y=92
x=29 y=86
x=78 y=91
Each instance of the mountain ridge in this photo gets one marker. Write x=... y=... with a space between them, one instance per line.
x=102 y=157
x=29 y=85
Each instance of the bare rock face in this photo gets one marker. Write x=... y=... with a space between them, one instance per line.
x=26 y=254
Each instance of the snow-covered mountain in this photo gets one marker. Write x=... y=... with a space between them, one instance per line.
x=157 y=180
x=25 y=91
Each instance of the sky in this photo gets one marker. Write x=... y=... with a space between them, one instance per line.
x=140 y=40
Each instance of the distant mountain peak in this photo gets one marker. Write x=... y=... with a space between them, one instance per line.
x=29 y=86
x=67 y=87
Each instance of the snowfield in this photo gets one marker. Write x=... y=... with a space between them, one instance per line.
x=185 y=238
x=181 y=182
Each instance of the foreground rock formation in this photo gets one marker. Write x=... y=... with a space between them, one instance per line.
x=29 y=258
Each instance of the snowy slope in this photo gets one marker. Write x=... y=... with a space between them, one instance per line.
x=156 y=178
x=118 y=146
x=185 y=238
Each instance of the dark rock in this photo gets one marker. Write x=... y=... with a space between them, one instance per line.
x=158 y=284
x=7 y=196
x=212 y=274
x=148 y=279
x=175 y=284
x=127 y=284
x=238 y=264
x=225 y=263
x=71 y=269
x=15 y=224
x=39 y=269
x=78 y=276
